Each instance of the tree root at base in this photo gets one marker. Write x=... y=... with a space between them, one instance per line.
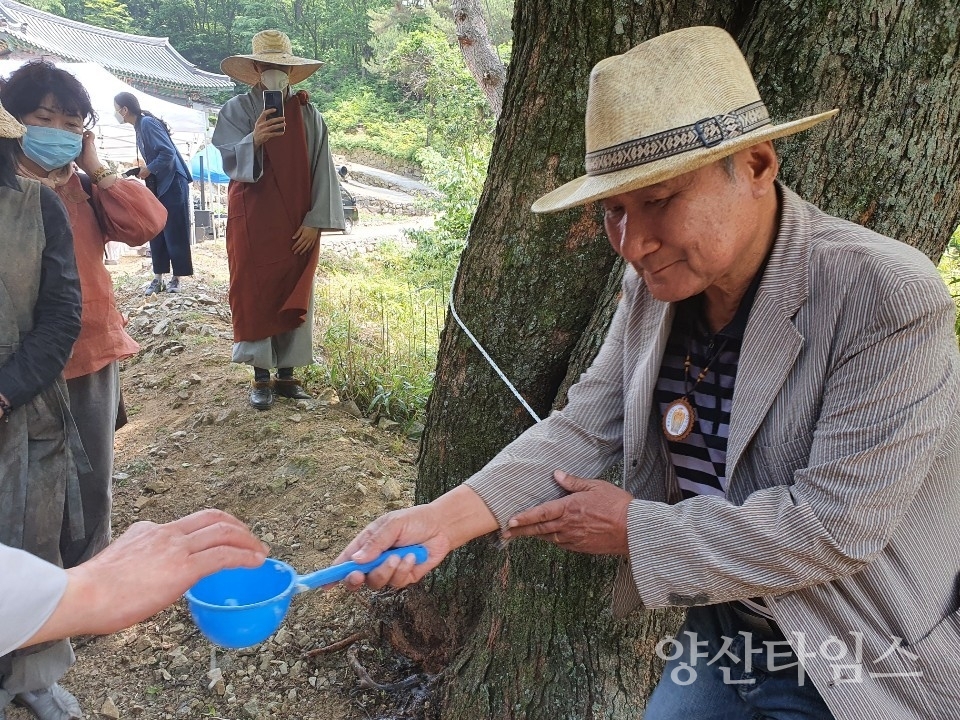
x=368 y=683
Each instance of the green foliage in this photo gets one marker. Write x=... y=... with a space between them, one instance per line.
x=379 y=330
x=363 y=117
x=51 y=6
x=950 y=270
x=459 y=181
x=412 y=49
x=111 y=14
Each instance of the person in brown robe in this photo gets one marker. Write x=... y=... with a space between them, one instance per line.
x=283 y=194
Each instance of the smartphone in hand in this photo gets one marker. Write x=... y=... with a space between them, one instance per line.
x=273 y=99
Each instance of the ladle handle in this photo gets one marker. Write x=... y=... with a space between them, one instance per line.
x=336 y=573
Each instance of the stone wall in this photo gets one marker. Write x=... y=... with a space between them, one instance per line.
x=368 y=157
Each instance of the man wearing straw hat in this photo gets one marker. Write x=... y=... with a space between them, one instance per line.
x=283 y=193
x=783 y=390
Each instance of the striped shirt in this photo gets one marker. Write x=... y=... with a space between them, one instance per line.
x=700 y=458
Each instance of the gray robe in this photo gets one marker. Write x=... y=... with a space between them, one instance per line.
x=39 y=444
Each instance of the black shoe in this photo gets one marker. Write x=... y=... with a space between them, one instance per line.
x=290 y=388
x=261 y=395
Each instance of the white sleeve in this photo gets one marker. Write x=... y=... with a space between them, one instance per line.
x=30 y=589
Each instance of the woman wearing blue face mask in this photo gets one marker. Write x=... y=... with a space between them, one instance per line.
x=55 y=110
x=167 y=172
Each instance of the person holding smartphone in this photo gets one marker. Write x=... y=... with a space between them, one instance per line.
x=283 y=194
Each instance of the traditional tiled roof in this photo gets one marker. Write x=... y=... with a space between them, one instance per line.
x=151 y=60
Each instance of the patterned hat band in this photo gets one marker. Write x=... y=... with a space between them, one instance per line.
x=702 y=134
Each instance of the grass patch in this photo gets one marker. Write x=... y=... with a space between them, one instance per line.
x=138 y=467
x=378 y=320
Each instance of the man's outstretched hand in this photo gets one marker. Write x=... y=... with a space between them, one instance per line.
x=147 y=569
x=591 y=519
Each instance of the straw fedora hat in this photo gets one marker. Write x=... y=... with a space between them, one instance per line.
x=269 y=46
x=670 y=105
x=9 y=126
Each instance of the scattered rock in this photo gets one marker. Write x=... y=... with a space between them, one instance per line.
x=329 y=396
x=143 y=501
x=142 y=643
x=109 y=710
x=157 y=487
x=391 y=489
x=225 y=416
x=350 y=407
x=389 y=425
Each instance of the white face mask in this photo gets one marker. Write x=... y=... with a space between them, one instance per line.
x=274 y=79
x=118 y=116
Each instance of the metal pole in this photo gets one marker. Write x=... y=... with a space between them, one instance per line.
x=203 y=196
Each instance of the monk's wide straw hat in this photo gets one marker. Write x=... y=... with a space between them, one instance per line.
x=670 y=105
x=269 y=46
x=9 y=126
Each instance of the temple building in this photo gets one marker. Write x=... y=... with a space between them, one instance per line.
x=149 y=64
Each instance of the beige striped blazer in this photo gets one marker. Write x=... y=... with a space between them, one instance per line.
x=843 y=463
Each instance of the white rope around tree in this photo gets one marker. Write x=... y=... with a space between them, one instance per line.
x=486 y=356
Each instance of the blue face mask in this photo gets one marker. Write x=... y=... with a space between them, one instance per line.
x=51 y=148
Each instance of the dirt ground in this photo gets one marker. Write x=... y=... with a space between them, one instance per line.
x=305 y=475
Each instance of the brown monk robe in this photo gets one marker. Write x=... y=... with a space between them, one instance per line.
x=270 y=286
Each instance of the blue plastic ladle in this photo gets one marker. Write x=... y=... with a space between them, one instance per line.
x=240 y=607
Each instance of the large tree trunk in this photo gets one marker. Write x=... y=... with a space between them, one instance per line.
x=526 y=631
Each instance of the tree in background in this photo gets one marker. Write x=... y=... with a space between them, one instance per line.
x=411 y=48
x=481 y=57
x=51 y=6
x=206 y=31
x=111 y=14
x=526 y=631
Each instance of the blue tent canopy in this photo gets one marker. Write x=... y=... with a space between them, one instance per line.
x=212 y=166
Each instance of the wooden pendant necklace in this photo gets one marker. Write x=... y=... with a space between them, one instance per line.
x=680 y=415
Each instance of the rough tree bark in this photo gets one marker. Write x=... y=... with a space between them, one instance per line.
x=480 y=56
x=526 y=631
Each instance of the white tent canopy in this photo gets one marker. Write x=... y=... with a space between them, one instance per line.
x=116 y=141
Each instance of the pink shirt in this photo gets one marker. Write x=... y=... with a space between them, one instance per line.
x=128 y=213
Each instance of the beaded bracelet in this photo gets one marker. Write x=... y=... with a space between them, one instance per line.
x=101 y=174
